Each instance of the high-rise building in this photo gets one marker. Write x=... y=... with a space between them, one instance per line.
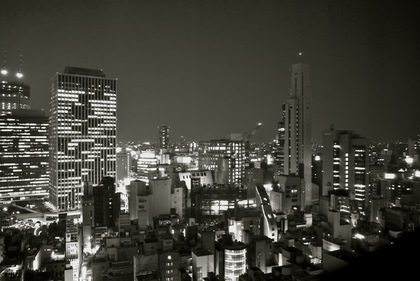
x=24 y=155
x=345 y=164
x=123 y=164
x=147 y=165
x=106 y=203
x=14 y=94
x=278 y=148
x=227 y=156
x=295 y=130
x=163 y=137
x=83 y=132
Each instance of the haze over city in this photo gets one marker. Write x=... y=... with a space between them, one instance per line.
x=210 y=68
x=225 y=140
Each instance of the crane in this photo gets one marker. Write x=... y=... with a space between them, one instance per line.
x=247 y=135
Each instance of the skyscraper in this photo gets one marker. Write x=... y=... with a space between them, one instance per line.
x=123 y=165
x=226 y=156
x=23 y=156
x=295 y=130
x=345 y=164
x=163 y=137
x=83 y=132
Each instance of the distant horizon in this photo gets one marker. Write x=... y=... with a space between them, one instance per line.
x=46 y=111
x=208 y=69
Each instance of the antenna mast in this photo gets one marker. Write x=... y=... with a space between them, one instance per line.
x=3 y=68
x=19 y=73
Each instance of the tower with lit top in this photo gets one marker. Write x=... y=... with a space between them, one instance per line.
x=14 y=93
x=295 y=130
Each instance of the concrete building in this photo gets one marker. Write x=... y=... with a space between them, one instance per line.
x=345 y=165
x=208 y=204
x=149 y=201
x=226 y=157
x=340 y=228
x=140 y=203
x=163 y=137
x=261 y=254
x=203 y=263
x=161 y=191
x=147 y=165
x=106 y=203
x=289 y=188
x=203 y=177
x=24 y=156
x=242 y=220
x=123 y=165
x=83 y=132
x=295 y=131
x=269 y=223
x=14 y=93
x=179 y=202
x=169 y=262
x=146 y=266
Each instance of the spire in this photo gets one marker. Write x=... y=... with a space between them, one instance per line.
x=299 y=31
x=3 y=68
x=19 y=72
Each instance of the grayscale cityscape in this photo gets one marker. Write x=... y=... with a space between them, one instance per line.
x=184 y=140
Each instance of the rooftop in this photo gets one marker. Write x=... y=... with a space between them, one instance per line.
x=200 y=252
x=84 y=71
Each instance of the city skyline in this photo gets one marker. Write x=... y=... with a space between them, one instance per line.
x=193 y=60
x=217 y=140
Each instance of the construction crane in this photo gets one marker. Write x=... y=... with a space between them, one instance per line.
x=247 y=135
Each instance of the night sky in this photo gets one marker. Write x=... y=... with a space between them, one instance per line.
x=210 y=68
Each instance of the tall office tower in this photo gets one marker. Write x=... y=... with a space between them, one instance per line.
x=278 y=149
x=147 y=165
x=106 y=203
x=226 y=156
x=124 y=160
x=163 y=137
x=83 y=132
x=14 y=94
x=24 y=155
x=295 y=130
x=345 y=165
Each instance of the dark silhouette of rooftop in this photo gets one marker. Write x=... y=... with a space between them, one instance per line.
x=398 y=261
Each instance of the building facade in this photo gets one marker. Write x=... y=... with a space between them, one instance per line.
x=23 y=156
x=83 y=132
x=345 y=164
x=13 y=95
x=124 y=160
x=226 y=157
x=147 y=165
x=294 y=132
x=163 y=137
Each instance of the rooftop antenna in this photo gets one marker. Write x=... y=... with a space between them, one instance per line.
x=299 y=29
x=3 y=68
x=19 y=72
